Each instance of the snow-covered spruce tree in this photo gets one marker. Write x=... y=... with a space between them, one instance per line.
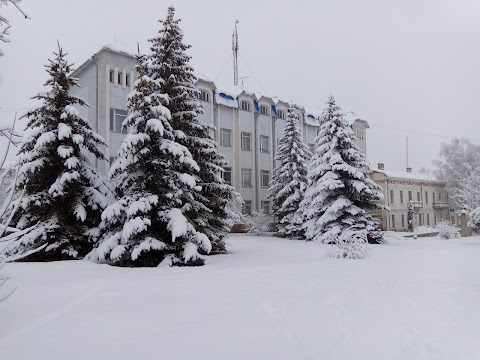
x=211 y=211
x=155 y=181
x=64 y=194
x=410 y=222
x=340 y=194
x=289 y=179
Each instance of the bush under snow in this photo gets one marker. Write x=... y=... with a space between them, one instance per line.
x=447 y=230
x=350 y=244
x=258 y=222
x=474 y=222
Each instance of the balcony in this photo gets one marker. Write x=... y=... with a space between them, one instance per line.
x=417 y=205
x=441 y=205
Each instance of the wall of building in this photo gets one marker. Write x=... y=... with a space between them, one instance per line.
x=106 y=92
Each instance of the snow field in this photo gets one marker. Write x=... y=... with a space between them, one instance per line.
x=268 y=298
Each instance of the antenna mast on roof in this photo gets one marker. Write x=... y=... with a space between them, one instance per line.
x=235 y=54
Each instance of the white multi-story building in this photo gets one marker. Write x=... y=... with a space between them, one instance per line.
x=248 y=125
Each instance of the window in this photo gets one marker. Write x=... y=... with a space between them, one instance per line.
x=281 y=114
x=111 y=76
x=246 y=137
x=119 y=77
x=203 y=96
x=127 y=80
x=360 y=133
x=311 y=147
x=246 y=177
x=403 y=220
x=245 y=106
x=435 y=219
x=393 y=221
x=116 y=119
x=263 y=110
x=227 y=175
x=420 y=219
x=263 y=143
x=392 y=197
x=452 y=219
x=419 y=196
x=266 y=207
x=426 y=197
x=433 y=197
x=401 y=197
x=226 y=137
x=428 y=219
x=247 y=207
x=439 y=196
x=265 y=178
x=410 y=196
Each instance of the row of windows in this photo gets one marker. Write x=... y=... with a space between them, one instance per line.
x=247 y=177
x=410 y=197
x=245 y=140
x=120 y=78
x=247 y=207
x=420 y=220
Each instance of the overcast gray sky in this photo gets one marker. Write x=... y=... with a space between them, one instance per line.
x=411 y=64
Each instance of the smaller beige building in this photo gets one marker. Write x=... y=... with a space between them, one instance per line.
x=430 y=200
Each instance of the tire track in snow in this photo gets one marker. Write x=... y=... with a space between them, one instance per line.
x=51 y=316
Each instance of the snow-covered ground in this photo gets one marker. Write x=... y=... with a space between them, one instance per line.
x=269 y=298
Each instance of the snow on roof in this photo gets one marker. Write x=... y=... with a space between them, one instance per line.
x=202 y=76
x=121 y=48
x=227 y=97
x=351 y=117
x=312 y=116
x=407 y=175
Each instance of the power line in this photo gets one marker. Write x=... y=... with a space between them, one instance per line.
x=419 y=132
x=251 y=72
x=223 y=67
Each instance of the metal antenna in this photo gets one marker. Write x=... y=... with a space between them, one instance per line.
x=235 y=54
x=243 y=79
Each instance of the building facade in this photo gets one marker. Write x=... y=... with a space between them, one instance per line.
x=248 y=125
x=431 y=202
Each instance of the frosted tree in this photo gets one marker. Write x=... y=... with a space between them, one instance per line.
x=458 y=161
x=340 y=193
x=210 y=211
x=4 y=23
x=63 y=193
x=410 y=221
x=467 y=192
x=289 y=179
x=257 y=222
x=155 y=181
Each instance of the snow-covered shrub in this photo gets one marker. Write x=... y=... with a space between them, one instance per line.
x=447 y=230
x=350 y=244
x=258 y=222
x=474 y=222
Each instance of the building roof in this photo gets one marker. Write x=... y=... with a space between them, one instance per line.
x=404 y=175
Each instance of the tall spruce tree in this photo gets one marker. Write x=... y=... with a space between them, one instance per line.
x=410 y=221
x=211 y=212
x=289 y=179
x=155 y=181
x=64 y=194
x=340 y=194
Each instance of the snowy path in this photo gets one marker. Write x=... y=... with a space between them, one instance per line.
x=268 y=299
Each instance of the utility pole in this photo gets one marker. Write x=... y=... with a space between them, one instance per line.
x=235 y=54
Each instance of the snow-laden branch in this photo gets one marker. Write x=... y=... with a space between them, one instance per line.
x=5 y=24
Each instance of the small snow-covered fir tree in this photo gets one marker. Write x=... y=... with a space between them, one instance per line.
x=410 y=221
x=64 y=194
x=340 y=193
x=155 y=178
x=210 y=211
x=289 y=179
